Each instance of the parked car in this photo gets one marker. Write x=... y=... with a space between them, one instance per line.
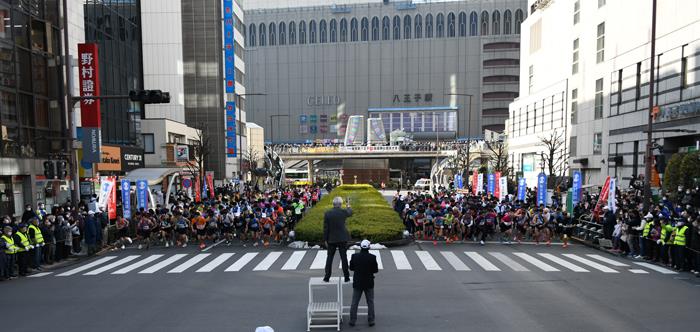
x=422 y=184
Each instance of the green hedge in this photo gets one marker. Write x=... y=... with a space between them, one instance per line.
x=372 y=218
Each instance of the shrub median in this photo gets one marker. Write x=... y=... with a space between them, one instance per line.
x=372 y=216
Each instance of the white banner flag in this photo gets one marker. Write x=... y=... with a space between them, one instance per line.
x=611 y=196
x=502 y=188
x=105 y=190
x=480 y=184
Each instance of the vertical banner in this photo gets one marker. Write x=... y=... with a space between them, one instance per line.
x=230 y=70
x=475 y=182
x=576 y=188
x=460 y=181
x=522 y=189
x=480 y=183
x=612 y=204
x=603 y=195
x=210 y=183
x=142 y=194
x=491 y=186
x=497 y=181
x=89 y=80
x=112 y=202
x=231 y=144
x=502 y=188
x=126 y=198
x=542 y=189
x=105 y=191
x=197 y=190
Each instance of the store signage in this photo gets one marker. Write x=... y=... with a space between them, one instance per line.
x=322 y=100
x=679 y=111
x=89 y=80
x=132 y=158
x=182 y=153
x=413 y=98
x=229 y=68
x=231 y=144
x=111 y=159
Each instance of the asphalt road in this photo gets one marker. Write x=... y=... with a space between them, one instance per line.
x=506 y=288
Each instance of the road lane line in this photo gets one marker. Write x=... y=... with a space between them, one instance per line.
x=112 y=265
x=656 y=268
x=428 y=261
x=87 y=266
x=481 y=261
x=170 y=260
x=294 y=260
x=320 y=260
x=137 y=265
x=379 y=258
x=515 y=266
x=563 y=263
x=536 y=262
x=189 y=263
x=240 y=263
x=457 y=264
x=400 y=260
x=607 y=260
x=348 y=254
x=215 y=262
x=591 y=263
x=270 y=259
x=213 y=245
x=39 y=275
x=638 y=271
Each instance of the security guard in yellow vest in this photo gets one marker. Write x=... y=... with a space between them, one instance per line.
x=24 y=246
x=8 y=251
x=37 y=240
x=644 y=242
x=679 y=242
x=664 y=240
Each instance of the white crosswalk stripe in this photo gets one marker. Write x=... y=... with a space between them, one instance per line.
x=163 y=264
x=240 y=263
x=379 y=258
x=457 y=264
x=515 y=266
x=112 y=265
x=590 y=263
x=563 y=263
x=189 y=263
x=137 y=265
x=320 y=260
x=294 y=260
x=428 y=261
x=638 y=271
x=39 y=275
x=657 y=268
x=481 y=261
x=348 y=254
x=400 y=260
x=536 y=262
x=607 y=260
x=268 y=261
x=87 y=266
x=215 y=263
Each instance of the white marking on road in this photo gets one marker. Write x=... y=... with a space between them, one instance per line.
x=656 y=268
x=454 y=261
x=213 y=245
x=215 y=262
x=348 y=254
x=189 y=263
x=536 y=262
x=112 y=265
x=515 y=266
x=87 y=266
x=591 y=263
x=563 y=263
x=320 y=260
x=268 y=261
x=294 y=260
x=137 y=265
x=39 y=275
x=400 y=260
x=483 y=262
x=607 y=260
x=155 y=268
x=428 y=261
x=379 y=258
x=239 y=264
x=638 y=271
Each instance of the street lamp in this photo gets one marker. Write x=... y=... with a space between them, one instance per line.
x=652 y=71
x=470 y=110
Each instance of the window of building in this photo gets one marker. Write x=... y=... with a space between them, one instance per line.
x=684 y=69
x=292 y=33
x=600 y=44
x=601 y=3
x=518 y=20
x=574 y=63
x=619 y=87
x=574 y=106
x=333 y=31
x=149 y=145
x=418 y=22
x=302 y=32
x=344 y=29
x=496 y=23
x=598 y=108
x=322 y=32
x=440 y=26
x=473 y=24
x=252 y=35
x=484 y=23
x=577 y=12
x=429 y=26
x=572 y=146
x=531 y=78
x=282 y=33
x=501 y=62
x=462 y=24
x=638 y=83
x=397 y=28
x=375 y=28
x=451 y=32
x=597 y=143
x=365 y=29
x=312 y=32
x=386 y=28
x=507 y=21
x=536 y=36
x=407 y=27
x=272 y=30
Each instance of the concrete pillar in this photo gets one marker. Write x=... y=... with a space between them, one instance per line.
x=310 y=170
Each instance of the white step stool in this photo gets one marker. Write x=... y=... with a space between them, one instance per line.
x=324 y=314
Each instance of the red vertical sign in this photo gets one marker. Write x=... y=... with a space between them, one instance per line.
x=89 y=85
x=475 y=182
x=197 y=190
x=112 y=201
x=497 y=187
x=210 y=184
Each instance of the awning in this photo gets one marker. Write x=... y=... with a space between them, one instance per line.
x=154 y=176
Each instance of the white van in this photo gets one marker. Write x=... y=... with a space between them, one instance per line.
x=422 y=184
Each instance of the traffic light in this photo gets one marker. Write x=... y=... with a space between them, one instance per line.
x=62 y=169
x=150 y=96
x=49 y=170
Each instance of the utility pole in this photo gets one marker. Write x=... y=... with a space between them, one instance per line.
x=68 y=107
x=652 y=72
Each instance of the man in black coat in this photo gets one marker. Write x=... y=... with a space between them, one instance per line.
x=365 y=266
x=336 y=236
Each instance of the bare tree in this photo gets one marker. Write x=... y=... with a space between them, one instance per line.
x=555 y=158
x=200 y=152
x=461 y=162
x=252 y=159
x=498 y=156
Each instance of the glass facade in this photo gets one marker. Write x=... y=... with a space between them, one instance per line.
x=418 y=121
x=31 y=108
x=115 y=25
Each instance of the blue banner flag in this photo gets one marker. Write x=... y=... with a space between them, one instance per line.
x=126 y=198
x=142 y=194
x=542 y=189
x=522 y=189
x=576 y=190
x=491 y=183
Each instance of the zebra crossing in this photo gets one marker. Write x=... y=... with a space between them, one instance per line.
x=395 y=260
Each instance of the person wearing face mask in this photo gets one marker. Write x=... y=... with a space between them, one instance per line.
x=36 y=238
x=679 y=236
x=28 y=214
x=8 y=250
x=41 y=211
x=21 y=240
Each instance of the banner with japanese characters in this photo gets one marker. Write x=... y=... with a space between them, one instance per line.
x=126 y=198
x=89 y=80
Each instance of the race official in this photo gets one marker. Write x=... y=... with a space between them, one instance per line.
x=336 y=236
x=365 y=266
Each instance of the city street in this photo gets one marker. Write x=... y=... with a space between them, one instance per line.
x=419 y=288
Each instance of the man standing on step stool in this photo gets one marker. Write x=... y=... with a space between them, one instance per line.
x=365 y=266
x=336 y=236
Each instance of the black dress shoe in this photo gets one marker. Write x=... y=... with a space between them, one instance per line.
x=347 y=279
x=371 y=323
x=326 y=279
x=351 y=323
